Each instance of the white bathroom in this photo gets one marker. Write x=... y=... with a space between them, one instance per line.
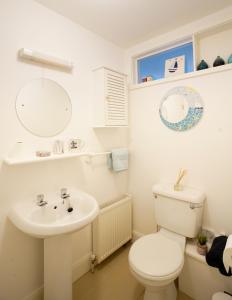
x=115 y=128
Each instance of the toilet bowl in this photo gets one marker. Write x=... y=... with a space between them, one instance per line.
x=156 y=261
x=221 y=296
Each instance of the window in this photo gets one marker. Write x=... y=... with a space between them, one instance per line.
x=154 y=65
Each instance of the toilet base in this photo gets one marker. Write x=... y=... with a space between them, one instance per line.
x=161 y=293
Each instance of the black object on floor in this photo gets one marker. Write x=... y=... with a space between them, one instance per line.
x=214 y=257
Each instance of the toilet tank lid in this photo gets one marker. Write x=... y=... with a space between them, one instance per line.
x=188 y=194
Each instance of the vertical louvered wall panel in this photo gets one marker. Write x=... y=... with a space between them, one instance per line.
x=116 y=102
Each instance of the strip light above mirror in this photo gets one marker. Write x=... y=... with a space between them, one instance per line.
x=36 y=56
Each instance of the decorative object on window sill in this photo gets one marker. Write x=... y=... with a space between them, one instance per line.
x=230 y=59
x=218 y=61
x=181 y=108
x=202 y=65
x=148 y=78
x=175 y=66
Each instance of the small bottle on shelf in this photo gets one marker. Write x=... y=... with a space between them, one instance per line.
x=218 y=61
x=202 y=65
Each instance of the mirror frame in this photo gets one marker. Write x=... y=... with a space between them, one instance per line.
x=194 y=112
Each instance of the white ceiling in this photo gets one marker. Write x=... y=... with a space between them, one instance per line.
x=127 y=22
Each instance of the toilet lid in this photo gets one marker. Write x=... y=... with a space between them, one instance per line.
x=155 y=255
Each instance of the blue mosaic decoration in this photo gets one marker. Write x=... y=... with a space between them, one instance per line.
x=195 y=108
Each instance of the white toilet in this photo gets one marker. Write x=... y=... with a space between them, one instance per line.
x=221 y=296
x=156 y=259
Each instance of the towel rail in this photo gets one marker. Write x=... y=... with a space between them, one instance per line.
x=94 y=154
x=98 y=153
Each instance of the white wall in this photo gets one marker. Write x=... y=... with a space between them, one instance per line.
x=27 y=24
x=157 y=153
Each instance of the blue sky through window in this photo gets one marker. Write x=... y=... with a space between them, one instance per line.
x=154 y=65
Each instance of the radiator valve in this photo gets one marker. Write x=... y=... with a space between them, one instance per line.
x=93 y=260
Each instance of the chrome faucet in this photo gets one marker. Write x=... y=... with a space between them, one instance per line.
x=64 y=195
x=40 y=200
x=66 y=199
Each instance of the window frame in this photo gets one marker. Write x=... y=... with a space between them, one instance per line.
x=160 y=49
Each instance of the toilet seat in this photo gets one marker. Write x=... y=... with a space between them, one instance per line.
x=221 y=296
x=156 y=257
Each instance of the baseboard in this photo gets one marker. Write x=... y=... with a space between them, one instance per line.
x=79 y=268
x=36 y=294
x=136 y=235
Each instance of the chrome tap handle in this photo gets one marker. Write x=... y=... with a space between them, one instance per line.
x=40 y=200
x=64 y=193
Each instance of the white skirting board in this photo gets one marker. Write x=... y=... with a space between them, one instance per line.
x=36 y=294
x=136 y=235
x=80 y=267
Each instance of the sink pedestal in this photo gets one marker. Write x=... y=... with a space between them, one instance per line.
x=58 y=267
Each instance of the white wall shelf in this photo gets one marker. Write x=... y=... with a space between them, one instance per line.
x=28 y=160
x=191 y=250
x=181 y=77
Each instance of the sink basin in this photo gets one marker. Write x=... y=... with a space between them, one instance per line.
x=54 y=218
x=54 y=222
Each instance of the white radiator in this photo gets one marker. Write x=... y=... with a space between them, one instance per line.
x=112 y=228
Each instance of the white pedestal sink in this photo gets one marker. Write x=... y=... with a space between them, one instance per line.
x=54 y=224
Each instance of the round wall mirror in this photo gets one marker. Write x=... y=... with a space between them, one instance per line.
x=181 y=108
x=43 y=107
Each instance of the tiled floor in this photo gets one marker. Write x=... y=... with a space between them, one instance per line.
x=111 y=281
